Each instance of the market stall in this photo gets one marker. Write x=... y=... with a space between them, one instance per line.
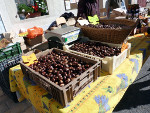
x=104 y=94
x=79 y=64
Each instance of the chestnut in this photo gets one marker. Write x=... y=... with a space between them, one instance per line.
x=53 y=79
x=73 y=75
x=77 y=76
x=64 y=73
x=61 y=82
x=50 y=75
x=67 y=81
x=60 y=77
x=60 y=71
x=64 y=77
x=56 y=83
x=54 y=71
x=69 y=76
x=61 y=68
x=61 y=85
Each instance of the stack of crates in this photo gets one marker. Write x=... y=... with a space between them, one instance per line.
x=9 y=57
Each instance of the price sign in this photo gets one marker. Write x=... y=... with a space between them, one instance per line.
x=93 y=20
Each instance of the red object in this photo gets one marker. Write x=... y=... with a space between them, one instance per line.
x=35 y=7
x=142 y=3
x=34 y=32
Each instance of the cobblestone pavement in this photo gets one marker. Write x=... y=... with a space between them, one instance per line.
x=8 y=106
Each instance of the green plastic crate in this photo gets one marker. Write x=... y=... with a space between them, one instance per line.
x=10 y=51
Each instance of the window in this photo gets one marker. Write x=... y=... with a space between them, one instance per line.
x=31 y=8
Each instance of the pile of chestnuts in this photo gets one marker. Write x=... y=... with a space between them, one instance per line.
x=96 y=49
x=105 y=26
x=59 y=67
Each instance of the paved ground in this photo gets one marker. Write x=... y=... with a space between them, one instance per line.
x=135 y=100
x=137 y=97
x=8 y=106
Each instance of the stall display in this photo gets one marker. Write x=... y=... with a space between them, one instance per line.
x=107 y=90
x=110 y=54
x=109 y=34
x=96 y=49
x=63 y=88
x=96 y=71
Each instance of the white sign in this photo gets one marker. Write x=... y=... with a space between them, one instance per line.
x=83 y=22
x=67 y=5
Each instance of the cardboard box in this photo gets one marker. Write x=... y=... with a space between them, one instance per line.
x=9 y=36
x=3 y=43
x=18 y=39
x=71 y=22
x=34 y=41
x=60 y=20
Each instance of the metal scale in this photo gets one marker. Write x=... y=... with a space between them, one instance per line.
x=59 y=37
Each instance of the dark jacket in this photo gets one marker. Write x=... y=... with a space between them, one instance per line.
x=114 y=3
x=88 y=8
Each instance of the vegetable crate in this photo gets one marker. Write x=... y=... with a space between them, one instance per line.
x=5 y=65
x=64 y=95
x=109 y=64
x=10 y=51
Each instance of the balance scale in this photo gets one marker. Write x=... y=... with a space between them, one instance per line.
x=62 y=36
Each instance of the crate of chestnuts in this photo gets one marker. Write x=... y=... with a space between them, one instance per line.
x=62 y=74
x=110 y=54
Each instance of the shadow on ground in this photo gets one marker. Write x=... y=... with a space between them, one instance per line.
x=137 y=94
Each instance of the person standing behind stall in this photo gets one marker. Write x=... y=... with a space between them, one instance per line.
x=112 y=4
x=88 y=8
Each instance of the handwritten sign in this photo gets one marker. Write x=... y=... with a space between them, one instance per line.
x=93 y=20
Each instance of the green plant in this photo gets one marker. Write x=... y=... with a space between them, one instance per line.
x=23 y=8
x=42 y=6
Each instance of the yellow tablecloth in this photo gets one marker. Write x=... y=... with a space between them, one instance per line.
x=99 y=97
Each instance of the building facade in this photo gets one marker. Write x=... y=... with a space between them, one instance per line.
x=12 y=22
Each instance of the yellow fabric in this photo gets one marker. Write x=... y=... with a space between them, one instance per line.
x=29 y=59
x=99 y=97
